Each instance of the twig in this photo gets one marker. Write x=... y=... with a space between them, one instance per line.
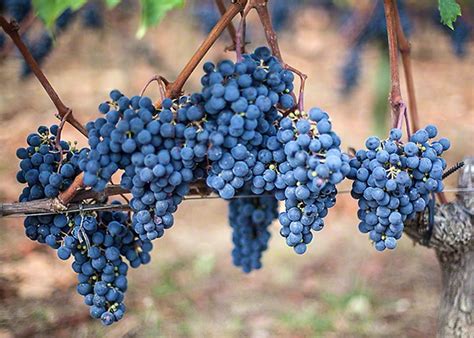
x=405 y=49
x=230 y=28
x=240 y=36
x=162 y=84
x=303 y=78
x=395 y=94
x=175 y=88
x=67 y=195
x=265 y=18
x=58 y=137
x=26 y=24
x=53 y=206
x=11 y=28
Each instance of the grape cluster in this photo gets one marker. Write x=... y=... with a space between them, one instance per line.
x=393 y=181
x=148 y=145
x=350 y=71
x=241 y=102
x=40 y=165
x=306 y=179
x=17 y=9
x=92 y=15
x=206 y=14
x=41 y=45
x=96 y=241
x=250 y=219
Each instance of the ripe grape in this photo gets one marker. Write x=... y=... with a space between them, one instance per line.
x=393 y=181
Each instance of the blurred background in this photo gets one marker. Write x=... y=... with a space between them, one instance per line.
x=341 y=287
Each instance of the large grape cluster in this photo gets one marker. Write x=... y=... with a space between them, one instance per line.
x=241 y=102
x=393 y=181
x=148 y=145
x=96 y=241
x=250 y=219
x=306 y=179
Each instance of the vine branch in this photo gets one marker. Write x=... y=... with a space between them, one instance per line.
x=11 y=28
x=405 y=51
x=175 y=88
x=395 y=98
x=230 y=28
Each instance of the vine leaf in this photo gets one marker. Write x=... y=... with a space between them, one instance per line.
x=112 y=3
x=153 y=11
x=449 y=11
x=50 y=10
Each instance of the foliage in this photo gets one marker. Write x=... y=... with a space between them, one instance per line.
x=50 y=10
x=449 y=11
x=152 y=11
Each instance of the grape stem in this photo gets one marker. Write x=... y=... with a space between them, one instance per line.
x=58 y=138
x=261 y=6
x=404 y=117
x=175 y=88
x=25 y=25
x=230 y=28
x=405 y=51
x=67 y=195
x=395 y=97
x=11 y=28
x=240 y=36
x=162 y=85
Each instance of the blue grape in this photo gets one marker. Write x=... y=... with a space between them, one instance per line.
x=390 y=192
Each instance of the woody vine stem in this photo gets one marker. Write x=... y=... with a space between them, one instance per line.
x=174 y=89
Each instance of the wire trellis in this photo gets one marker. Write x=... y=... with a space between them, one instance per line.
x=126 y=207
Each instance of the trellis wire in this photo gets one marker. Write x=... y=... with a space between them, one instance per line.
x=111 y=207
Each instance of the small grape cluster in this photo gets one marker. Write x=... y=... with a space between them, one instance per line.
x=250 y=219
x=97 y=243
x=306 y=179
x=393 y=181
x=44 y=168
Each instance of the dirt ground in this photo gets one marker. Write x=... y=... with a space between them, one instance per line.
x=341 y=287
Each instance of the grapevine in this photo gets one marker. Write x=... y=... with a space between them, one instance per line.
x=244 y=136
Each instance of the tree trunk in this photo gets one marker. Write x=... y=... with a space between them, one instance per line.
x=455 y=312
x=452 y=238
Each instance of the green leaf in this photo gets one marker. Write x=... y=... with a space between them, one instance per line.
x=50 y=10
x=449 y=11
x=153 y=11
x=112 y=3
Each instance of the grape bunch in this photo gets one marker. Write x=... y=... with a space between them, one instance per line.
x=44 y=168
x=147 y=144
x=97 y=244
x=306 y=179
x=96 y=241
x=242 y=103
x=250 y=219
x=393 y=181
